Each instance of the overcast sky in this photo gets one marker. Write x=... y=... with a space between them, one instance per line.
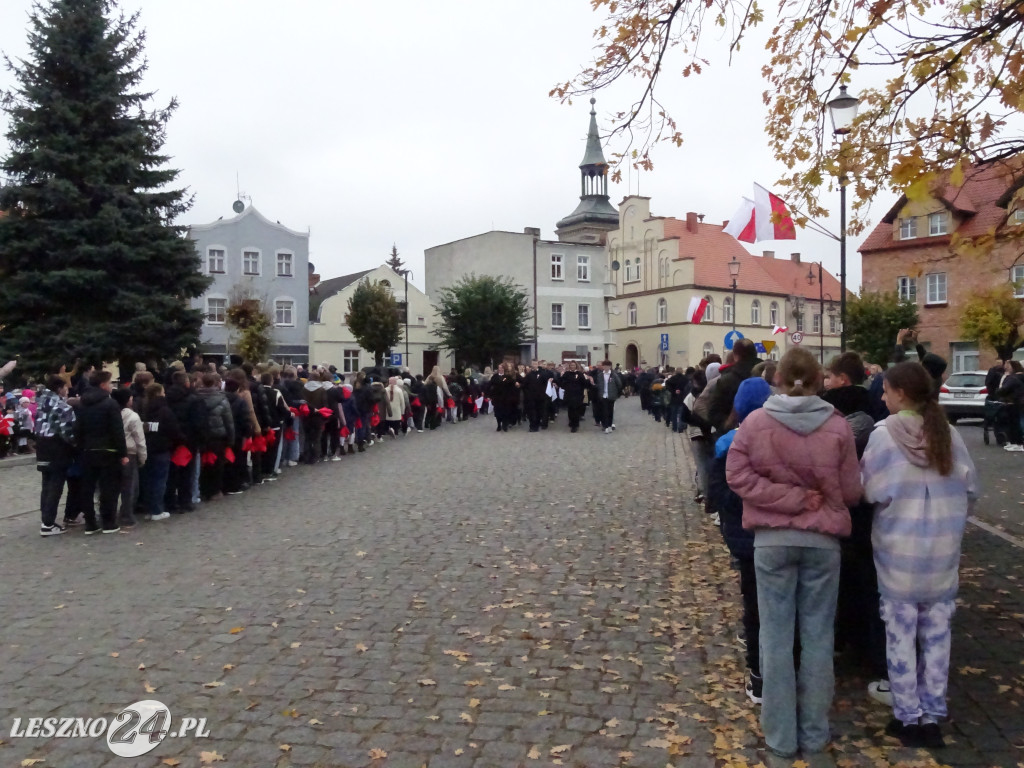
x=418 y=123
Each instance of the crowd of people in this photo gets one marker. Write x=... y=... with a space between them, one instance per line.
x=842 y=494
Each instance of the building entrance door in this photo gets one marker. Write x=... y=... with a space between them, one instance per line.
x=632 y=357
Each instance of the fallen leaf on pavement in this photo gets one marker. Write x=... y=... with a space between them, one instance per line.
x=534 y=753
x=236 y=630
x=214 y=684
x=377 y=754
x=205 y=758
x=285 y=747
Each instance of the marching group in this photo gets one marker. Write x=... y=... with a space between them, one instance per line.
x=842 y=497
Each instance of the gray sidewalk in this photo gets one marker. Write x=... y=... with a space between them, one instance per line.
x=460 y=598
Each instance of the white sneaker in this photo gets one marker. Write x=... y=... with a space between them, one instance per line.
x=613 y=426
x=879 y=691
x=607 y=430
x=335 y=458
x=161 y=516
x=292 y=463
x=1013 y=448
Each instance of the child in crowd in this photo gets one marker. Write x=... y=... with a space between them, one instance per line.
x=135 y=439
x=920 y=477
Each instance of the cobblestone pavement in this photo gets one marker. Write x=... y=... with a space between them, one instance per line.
x=462 y=598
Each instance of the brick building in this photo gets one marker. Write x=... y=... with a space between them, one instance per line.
x=910 y=252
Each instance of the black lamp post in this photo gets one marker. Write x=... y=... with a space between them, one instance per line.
x=843 y=110
x=405 y=274
x=734 y=272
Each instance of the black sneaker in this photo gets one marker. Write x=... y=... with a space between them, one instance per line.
x=51 y=530
x=91 y=529
x=111 y=530
x=931 y=736
x=909 y=735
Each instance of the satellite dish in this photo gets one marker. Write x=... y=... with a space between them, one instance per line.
x=238 y=206
x=615 y=266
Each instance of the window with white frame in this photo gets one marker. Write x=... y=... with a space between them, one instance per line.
x=707 y=349
x=773 y=313
x=755 y=312
x=629 y=271
x=800 y=319
x=583 y=315
x=216 y=310
x=727 y=310
x=935 y=285
x=1017 y=278
x=816 y=323
x=774 y=355
x=583 y=269
x=709 y=312
x=556 y=266
x=350 y=361
x=662 y=311
x=556 y=316
x=284 y=263
x=833 y=323
x=636 y=269
x=250 y=262
x=938 y=223
x=906 y=287
x=631 y=314
x=284 y=312
x=908 y=228
x=215 y=260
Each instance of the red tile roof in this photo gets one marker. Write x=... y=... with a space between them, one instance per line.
x=711 y=250
x=978 y=200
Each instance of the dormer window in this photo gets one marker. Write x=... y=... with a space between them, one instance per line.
x=908 y=229
x=938 y=224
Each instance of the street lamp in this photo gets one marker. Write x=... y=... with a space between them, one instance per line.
x=843 y=110
x=734 y=272
x=821 y=307
x=405 y=274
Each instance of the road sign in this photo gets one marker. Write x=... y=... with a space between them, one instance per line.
x=768 y=344
x=796 y=337
x=396 y=358
x=731 y=338
x=759 y=348
x=664 y=342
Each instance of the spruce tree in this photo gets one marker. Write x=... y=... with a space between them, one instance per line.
x=91 y=265
x=396 y=264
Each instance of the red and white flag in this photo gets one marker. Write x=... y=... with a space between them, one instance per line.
x=697 y=307
x=779 y=329
x=763 y=218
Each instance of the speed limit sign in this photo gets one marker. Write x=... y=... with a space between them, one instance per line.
x=796 y=337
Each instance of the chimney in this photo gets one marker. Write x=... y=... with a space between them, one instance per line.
x=769 y=254
x=535 y=231
x=691 y=222
x=795 y=257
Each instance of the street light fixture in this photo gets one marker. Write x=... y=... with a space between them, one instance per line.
x=734 y=272
x=843 y=111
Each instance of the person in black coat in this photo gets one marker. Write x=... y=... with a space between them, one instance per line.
x=235 y=472
x=1012 y=393
x=163 y=435
x=535 y=398
x=188 y=409
x=678 y=385
x=99 y=433
x=505 y=387
x=574 y=384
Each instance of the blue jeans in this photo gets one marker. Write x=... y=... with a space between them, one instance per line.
x=796 y=583
x=155 y=470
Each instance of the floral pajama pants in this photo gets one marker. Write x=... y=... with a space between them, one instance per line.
x=917 y=643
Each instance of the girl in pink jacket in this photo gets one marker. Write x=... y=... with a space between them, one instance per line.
x=794 y=465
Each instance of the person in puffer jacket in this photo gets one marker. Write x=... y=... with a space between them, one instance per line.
x=918 y=474
x=794 y=464
x=749 y=397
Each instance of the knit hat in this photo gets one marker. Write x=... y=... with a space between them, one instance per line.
x=750 y=396
x=713 y=372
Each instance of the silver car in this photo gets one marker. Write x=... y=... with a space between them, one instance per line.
x=963 y=396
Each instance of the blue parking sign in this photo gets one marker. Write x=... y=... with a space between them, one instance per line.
x=396 y=358
x=664 y=342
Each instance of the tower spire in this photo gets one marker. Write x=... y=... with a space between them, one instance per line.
x=595 y=216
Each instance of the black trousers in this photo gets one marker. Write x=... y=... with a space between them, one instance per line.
x=211 y=476
x=751 y=617
x=178 y=497
x=54 y=476
x=536 y=411
x=575 y=411
x=103 y=472
x=607 y=412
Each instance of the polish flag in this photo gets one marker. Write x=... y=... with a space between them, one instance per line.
x=763 y=218
x=779 y=329
x=697 y=307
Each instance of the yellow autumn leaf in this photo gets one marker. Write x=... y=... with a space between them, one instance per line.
x=506 y=687
x=285 y=747
x=227 y=667
x=314 y=721
x=149 y=688
x=560 y=750
x=426 y=681
x=534 y=753
x=115 y=654
x=362 y=647
x=214 y=684
x=459 y=751
x=171 y=761
x=205 y=758
x=236 y=630
x=474 y=703
x=32 y=761
x=466 y=717
x=377 y=754
x=296 y=645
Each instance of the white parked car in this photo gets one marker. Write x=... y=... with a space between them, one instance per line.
x=963 y=395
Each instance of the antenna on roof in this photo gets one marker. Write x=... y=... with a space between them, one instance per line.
x=238 y=206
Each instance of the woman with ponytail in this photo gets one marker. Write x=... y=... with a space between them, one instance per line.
x=917 y=472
